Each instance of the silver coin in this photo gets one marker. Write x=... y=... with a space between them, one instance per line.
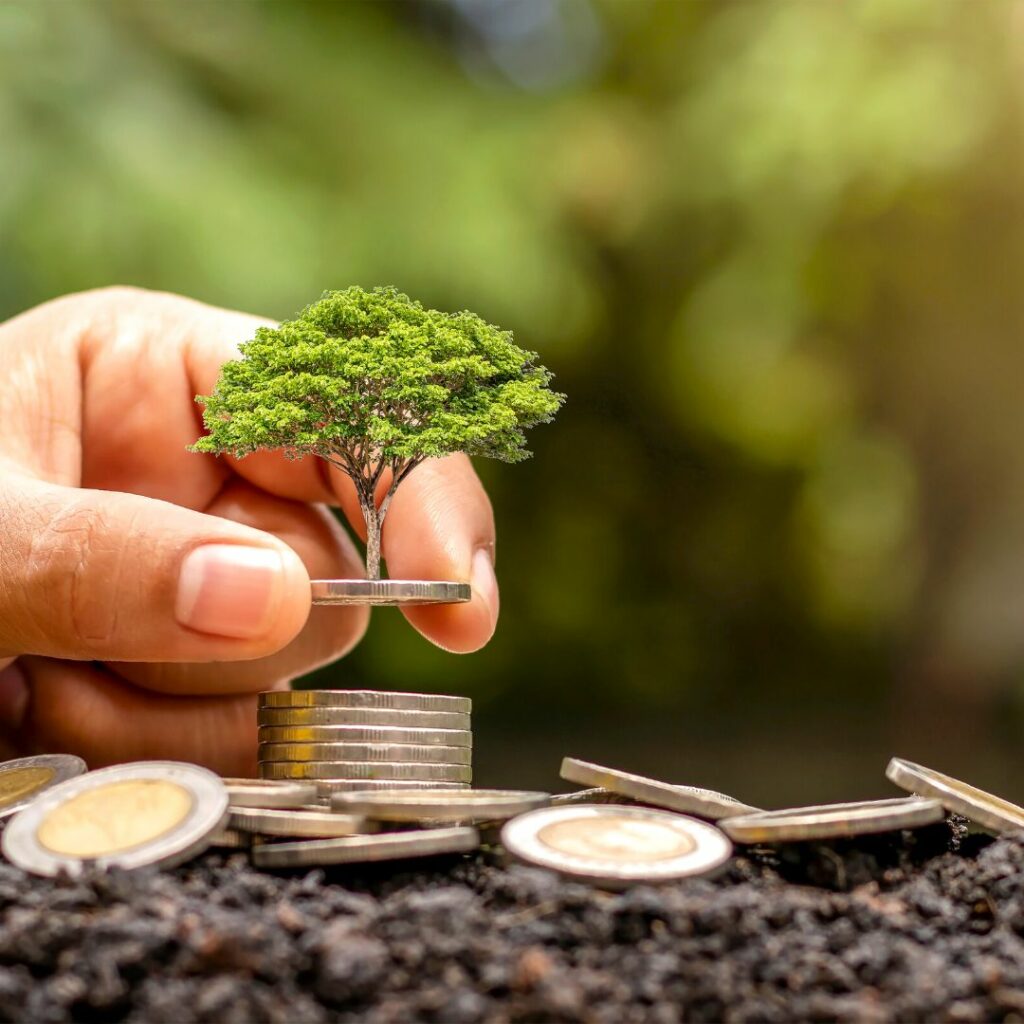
x=269 y=793
x=832 y=821
x=364 y=752
x=128 y=816
x=434 y=805
x=363 y=849
x=328 y=787
x=704 y=803
x=615 y=847
x=380 y=700
x=320 y=823
x=231 y=839
x=375 y=717
x=390 y=592
x=990 y=811
x=353 y=770
x=24 y=778
x=596 y=795
x=365 y=734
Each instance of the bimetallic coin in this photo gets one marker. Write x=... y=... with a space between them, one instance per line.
x=365 y=734
x=615 y=847
x=328 y=787
x=320 y=823
x=990 y=811
x=434 y=805
x=596 y=795
x=231 y=839
x=353 y=770
x=379 y=699
x=24 y=778
x=390 y=592
x=376 y=717
x=364 y=752
x=832 y=821
x=127 y=816
x=362 y=849
x=269 y=793
x=704 y=803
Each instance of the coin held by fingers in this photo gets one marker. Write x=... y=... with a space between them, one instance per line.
x=374 y=384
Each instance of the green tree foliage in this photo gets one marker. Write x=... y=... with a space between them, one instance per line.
x=374 y=384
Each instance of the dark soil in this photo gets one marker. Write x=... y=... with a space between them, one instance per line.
x=898 y=928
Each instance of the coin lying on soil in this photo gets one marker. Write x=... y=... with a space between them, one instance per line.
x=25 y=778
x=128 y=816
x=440 y=805
x=381 y=699
x=363 y=849
x=990 y=811
x=320 y=823
x=704 y=803
x=615 y=847
x=832 y=821
x=269 y=793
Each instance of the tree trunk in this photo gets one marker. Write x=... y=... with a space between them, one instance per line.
x=373 y=525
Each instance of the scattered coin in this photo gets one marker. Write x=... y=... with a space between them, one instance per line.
x=440 y=805
x=269 y=793
x=596 y=795
x=986 y=809
x=231 y=839
x=127 y=816
x=355 y=770
x=376 y=717
x=24 y=778
x=830 y=821
x=320 y=823
x=327 y=787
x=362 y=849
x=615 y=847
x=379 y=699
x=364 y=752
x=704 y=803
x=365 y=734
x=390 y=592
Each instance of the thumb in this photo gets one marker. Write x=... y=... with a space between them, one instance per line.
x=106 y=575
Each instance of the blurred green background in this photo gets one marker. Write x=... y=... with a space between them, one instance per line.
x=773 y=252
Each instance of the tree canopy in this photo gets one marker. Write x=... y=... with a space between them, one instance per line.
x=371 y=381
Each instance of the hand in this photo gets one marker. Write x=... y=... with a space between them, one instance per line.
x=147 y=593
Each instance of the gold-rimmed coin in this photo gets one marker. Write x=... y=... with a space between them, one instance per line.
x=269 y=793
x=379 y=770
x=364 y=752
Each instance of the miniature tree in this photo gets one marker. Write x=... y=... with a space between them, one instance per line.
x=372 y=382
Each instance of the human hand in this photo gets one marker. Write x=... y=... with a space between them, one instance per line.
x=147 y=593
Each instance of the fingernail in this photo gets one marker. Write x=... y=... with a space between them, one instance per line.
x=229 y=590
x=13 y=697
x=484 y=582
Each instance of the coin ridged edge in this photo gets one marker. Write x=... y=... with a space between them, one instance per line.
x=373 y=700
x=468 y=805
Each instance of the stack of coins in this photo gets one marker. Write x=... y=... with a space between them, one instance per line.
x=344 y=740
